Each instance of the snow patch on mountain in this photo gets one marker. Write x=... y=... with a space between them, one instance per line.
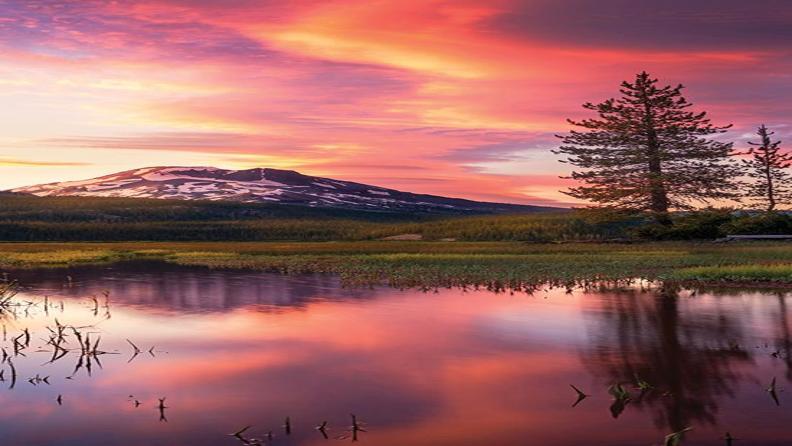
x=262 y=185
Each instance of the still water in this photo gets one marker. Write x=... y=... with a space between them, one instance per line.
x=230 y=349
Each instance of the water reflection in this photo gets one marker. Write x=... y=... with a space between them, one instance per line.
x=233 y=349
x=174 y=287
x=783 y=336
x=680 y=363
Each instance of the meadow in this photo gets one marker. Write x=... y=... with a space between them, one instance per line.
x=442 y=264
x=367 y=247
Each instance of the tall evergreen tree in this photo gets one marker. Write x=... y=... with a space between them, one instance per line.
x=646 y=152
x=767 y=169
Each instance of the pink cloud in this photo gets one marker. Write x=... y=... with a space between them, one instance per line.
x=437 y=85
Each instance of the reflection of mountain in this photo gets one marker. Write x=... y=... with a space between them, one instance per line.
x=687 y=358
x=167 y=286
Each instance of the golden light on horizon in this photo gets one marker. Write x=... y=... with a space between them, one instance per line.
x=460 y=89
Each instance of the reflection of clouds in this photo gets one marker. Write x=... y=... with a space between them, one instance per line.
x=553 y=322
x=461 y=368
x=169 y=287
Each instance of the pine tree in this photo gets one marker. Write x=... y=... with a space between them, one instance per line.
x=767 y=169
x=646 y=152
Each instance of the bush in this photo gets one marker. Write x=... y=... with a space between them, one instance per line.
x=770 y=223
x=702 y=225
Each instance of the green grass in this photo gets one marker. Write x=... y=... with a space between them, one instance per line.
x=780 y=273
x=435 y=264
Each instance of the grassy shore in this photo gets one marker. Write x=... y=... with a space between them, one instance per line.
x=404 y=263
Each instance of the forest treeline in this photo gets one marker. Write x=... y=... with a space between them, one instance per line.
x=30 y=218
x=122 y=219
x=30 y=208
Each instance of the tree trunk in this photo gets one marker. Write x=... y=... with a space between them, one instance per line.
x=657 y=191
x=770 y=192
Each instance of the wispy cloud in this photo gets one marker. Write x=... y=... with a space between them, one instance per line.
x=455 y=97
x=10 y=162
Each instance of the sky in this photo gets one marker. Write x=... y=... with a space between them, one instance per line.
x=458 y=98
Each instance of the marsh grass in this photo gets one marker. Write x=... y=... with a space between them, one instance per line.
x=402 y=264
x=737 y=273
x=8 y=290
x=58 y=258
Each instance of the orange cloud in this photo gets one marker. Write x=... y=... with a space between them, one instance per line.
x=316 y=86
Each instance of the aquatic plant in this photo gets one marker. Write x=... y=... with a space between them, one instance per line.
x=674 y=439
x=580 y=395
x=620 y=399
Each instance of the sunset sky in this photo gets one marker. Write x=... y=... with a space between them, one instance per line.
x=458 y=98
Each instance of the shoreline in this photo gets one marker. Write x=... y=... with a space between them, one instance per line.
x=511 y=265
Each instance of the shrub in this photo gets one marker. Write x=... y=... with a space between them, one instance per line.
x=702 y=225
x=774 y=223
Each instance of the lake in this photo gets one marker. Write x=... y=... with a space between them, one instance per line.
x=230 y=349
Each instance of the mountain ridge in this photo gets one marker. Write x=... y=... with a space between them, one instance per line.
x=266 y=185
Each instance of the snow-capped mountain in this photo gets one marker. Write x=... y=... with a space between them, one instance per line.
x=262 y=186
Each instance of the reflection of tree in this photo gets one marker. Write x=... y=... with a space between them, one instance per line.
x=784 y=337
x=686 y=358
